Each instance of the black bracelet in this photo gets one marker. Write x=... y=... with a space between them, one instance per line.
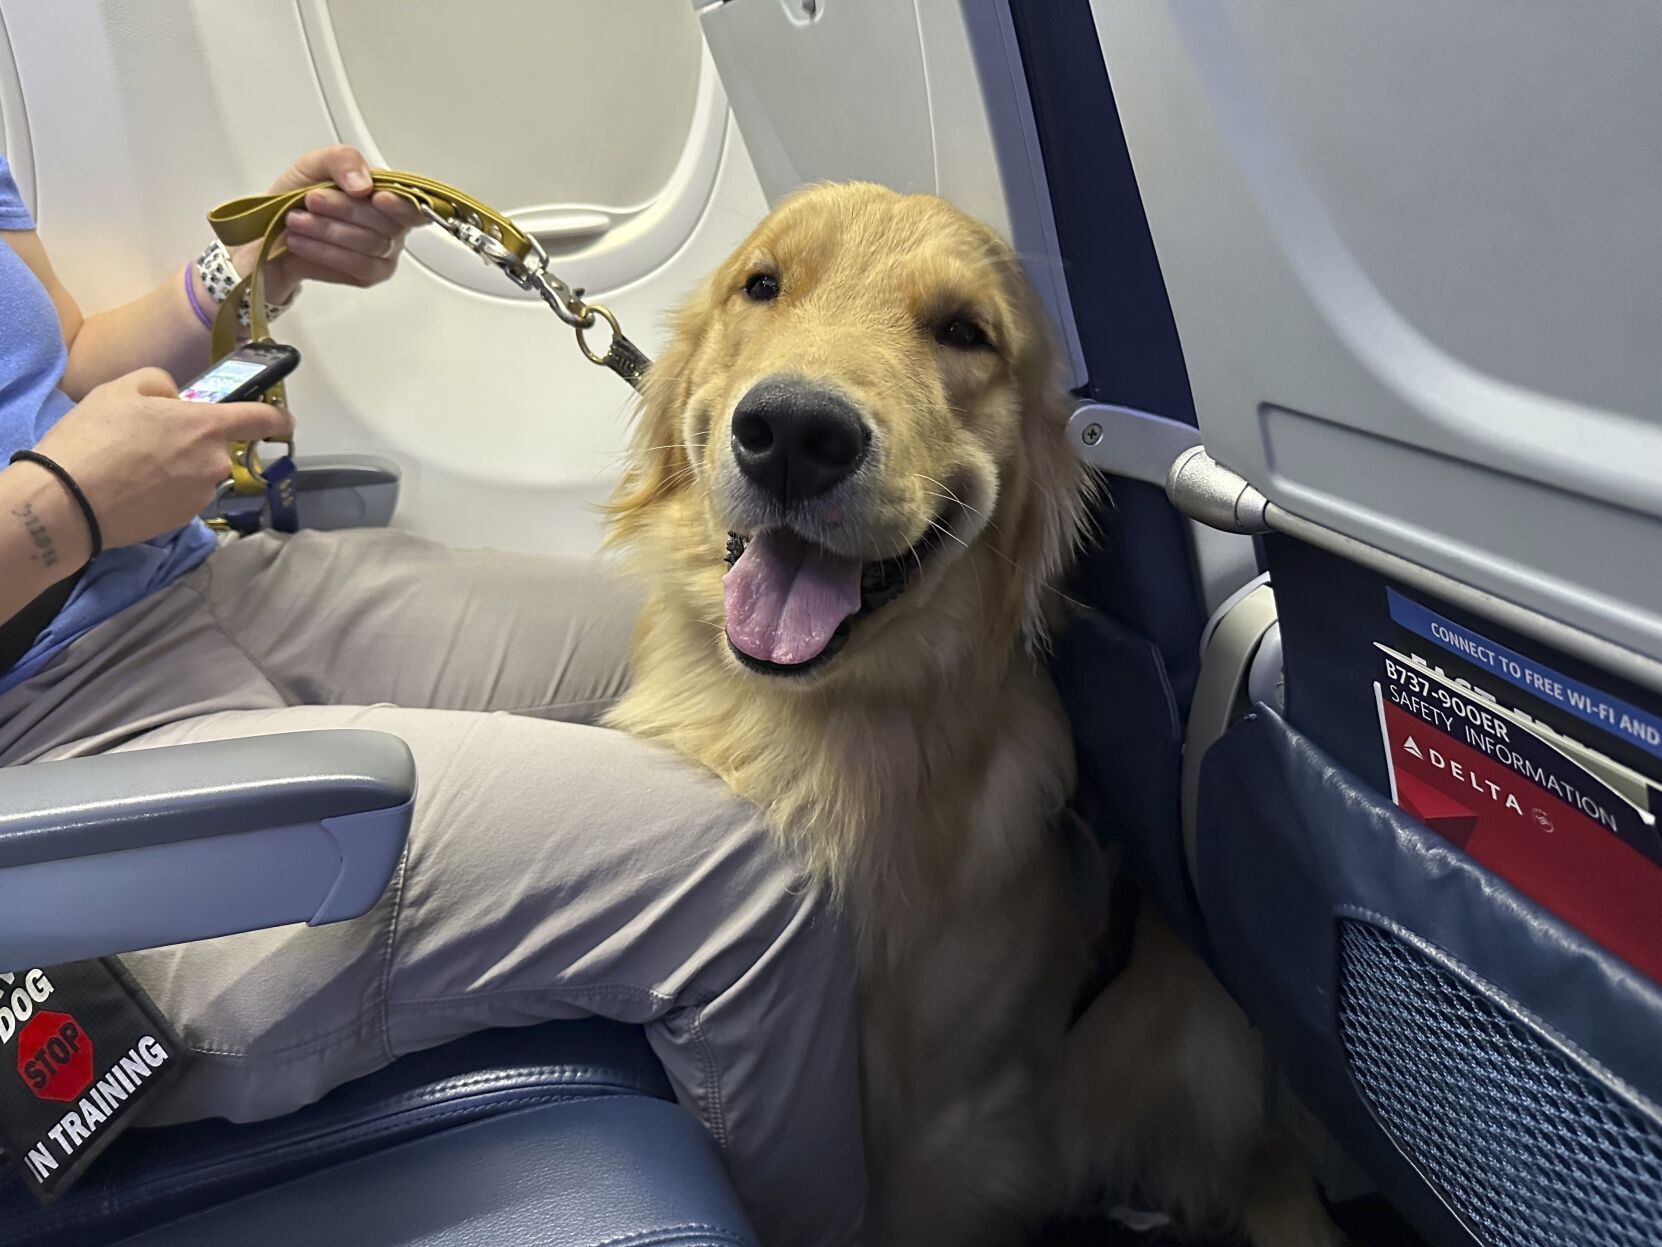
x=34 y=456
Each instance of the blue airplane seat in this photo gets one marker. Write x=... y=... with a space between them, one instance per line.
x=563 y=1134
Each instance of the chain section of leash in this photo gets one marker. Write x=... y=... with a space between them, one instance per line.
x=532 y=273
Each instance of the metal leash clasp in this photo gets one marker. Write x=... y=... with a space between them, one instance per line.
x=471 y=233
x=565 y=299
x=487 y=244
x=531 y=272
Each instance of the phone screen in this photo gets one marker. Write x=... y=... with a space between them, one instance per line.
x=220 y=380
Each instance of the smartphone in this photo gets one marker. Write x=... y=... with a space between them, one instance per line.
x=246 y=373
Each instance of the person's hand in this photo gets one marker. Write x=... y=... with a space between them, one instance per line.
x=147 y=461
x=348 y=235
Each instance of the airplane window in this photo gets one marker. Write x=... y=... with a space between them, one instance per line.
x=598 y=128
x=576 y=82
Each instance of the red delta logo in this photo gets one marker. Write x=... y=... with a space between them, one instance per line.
x=54 y=1056
x=1439 y=791
x=1549 y=850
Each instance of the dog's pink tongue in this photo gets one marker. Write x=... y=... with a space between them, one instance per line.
x=785 y=597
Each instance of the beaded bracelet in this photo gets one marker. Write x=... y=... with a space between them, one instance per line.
x=219 y=277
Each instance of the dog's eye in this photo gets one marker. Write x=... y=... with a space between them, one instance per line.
x=761 y=287
x=961 y=334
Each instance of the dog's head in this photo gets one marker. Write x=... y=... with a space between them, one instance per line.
x=852 y=453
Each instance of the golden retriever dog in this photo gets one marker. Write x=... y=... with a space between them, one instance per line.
x=852 y=497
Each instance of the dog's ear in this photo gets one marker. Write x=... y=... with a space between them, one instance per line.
x=656 y=463
x=1052 y=498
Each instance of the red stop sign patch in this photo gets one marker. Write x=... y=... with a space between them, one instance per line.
x=54 y=1056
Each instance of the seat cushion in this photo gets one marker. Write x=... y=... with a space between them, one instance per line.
x=578 y=1173
x=150 y=1177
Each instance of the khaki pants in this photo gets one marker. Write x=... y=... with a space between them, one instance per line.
x=555 y=869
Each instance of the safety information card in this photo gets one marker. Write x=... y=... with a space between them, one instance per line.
x=1564 y=823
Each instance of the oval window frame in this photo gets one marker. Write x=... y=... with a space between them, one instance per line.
x=635 y=244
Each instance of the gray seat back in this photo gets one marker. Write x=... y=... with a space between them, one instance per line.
x=1413 y=254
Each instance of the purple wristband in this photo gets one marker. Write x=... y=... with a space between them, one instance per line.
x=190 y=293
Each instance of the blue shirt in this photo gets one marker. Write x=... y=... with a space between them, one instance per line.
x=32 y=360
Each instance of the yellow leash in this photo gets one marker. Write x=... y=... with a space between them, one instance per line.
x=495 y=238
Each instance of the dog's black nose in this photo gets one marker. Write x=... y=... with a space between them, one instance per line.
x=797 y=440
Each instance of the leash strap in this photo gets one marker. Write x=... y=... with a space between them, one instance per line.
x=492 y=236
x=280 y=497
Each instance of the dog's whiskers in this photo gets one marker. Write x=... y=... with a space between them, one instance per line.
x=947 y=532
x=950 y=492
x=980 y=589
x=635 y=451
x=965 y=506
x=950 y=496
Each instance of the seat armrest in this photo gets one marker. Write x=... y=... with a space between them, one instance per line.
x=331 y=492
x=185 y=842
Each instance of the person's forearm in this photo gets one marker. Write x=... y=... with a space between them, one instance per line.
x=159 y=330
x=43 y=535
x=346 y=234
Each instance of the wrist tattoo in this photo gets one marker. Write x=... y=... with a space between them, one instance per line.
x=46 y=552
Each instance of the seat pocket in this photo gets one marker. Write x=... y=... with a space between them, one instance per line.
x=1496 y=1072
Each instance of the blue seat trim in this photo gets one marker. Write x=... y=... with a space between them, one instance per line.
x=1140 y=575
x=1127 y=331
x=150 y=1176
x=1294 y=851
x=608 y=1171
